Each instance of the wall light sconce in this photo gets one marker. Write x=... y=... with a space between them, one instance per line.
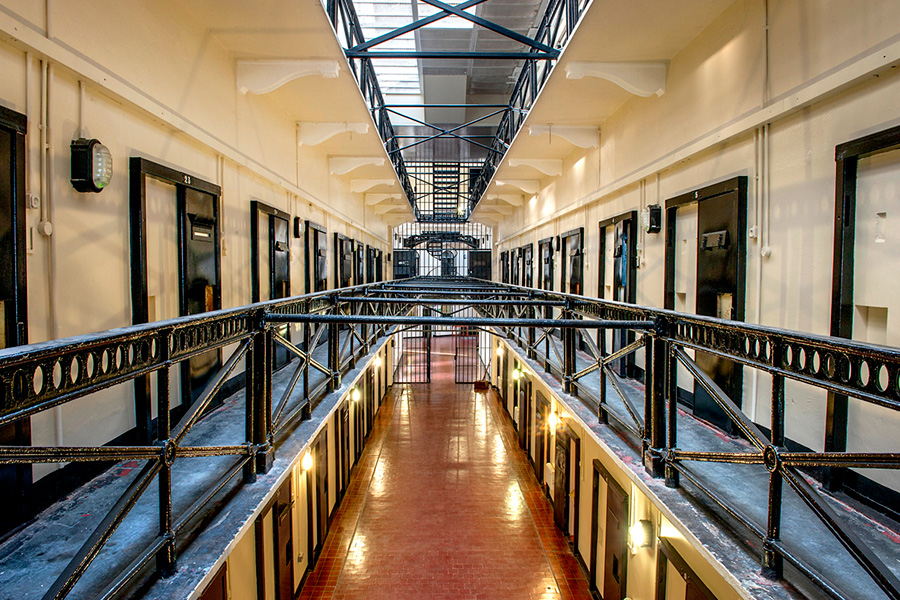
x=641 y=535
x=92 y=165
x=377 y=360
x=355 y=395
x=553 y=421
x=500 y=351
x=306 y=462
x=517 y=373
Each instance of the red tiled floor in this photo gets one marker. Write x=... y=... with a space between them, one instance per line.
x=444 y=505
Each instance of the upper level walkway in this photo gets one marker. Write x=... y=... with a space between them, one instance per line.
x=184 y=491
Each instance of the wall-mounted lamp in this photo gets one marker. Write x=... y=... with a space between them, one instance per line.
x=306 y=462
x=517 y=373
x=355 y=395
x=640 y=535
x=553 y=421
x=377 y=360
x=500 y=351
x=92 y=165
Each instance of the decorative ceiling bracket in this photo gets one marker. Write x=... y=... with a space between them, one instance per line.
x=373 y=199
x=551 y=167
x=529 y=186
x=358 y=186
x=639 y=78
x=313 y=134
x=512 y=199
x=341 y=165
x=264 y=76
x=387 y=208
x=583 y=137
x=498 y=208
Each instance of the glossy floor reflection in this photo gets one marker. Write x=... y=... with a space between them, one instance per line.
x=444 y=505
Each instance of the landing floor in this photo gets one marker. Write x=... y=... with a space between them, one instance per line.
x=444 y=505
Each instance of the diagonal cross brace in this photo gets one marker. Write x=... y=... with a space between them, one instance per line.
x=411 y=27
x=524 y=39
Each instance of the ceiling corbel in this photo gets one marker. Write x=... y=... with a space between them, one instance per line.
x=358 y=186
x=498 y=208
x=552 y=167
x=264 y=76
x=341 y=165
x=643 y=78
x=387 y=208
x=313 y=134
x=581 y=136
x=512 y=199
x=529 y=186
x=373 y=199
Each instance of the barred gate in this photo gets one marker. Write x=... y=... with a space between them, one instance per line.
x=418 y=349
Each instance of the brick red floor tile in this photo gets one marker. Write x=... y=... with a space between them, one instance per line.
x=443 y=504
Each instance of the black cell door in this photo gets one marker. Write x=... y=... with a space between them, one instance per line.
x=316 y=258
x=480 y=264
x=200 y=289
x=540 y=436
x=371 y=257
x=572 y=247
x=283 y=531
x=406 y=263
x=271 y=263
x=615 y=569
x=321 y=469
x=561 y=482
x=504 y=266
x=199 y=271
x=527 y=254
x=525 y=415
x=15 y=480
x=343 y=260
x=618 y=271
x=516 y=261
x=359 y=263
x=720 y=280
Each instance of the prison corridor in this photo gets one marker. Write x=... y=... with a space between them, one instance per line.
x=443 y=504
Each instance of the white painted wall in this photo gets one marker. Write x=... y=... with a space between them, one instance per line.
x=78 y=279
x=774 y=112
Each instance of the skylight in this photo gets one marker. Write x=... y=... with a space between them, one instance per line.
x=378 y=17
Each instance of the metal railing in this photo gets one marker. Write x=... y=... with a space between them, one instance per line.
x=38 y=377
x=866 y=372
x=556 y=28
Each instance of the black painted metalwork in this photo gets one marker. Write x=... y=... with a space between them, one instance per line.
x=41 y=376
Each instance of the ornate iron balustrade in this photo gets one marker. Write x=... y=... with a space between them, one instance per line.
x=866 y=372
x=37 y=377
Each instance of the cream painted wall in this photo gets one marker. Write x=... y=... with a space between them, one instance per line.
x=654 y=148
x=78 y=279
x=242 y=568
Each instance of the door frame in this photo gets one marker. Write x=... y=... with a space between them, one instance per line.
x=601 y=472
x=257 y=207
x=630 y=217
x=736 y=185
x=311 y=233
x=666 y=555
x=339 y=241
x=17 y=504
x=139 y=169
x=847 y=156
